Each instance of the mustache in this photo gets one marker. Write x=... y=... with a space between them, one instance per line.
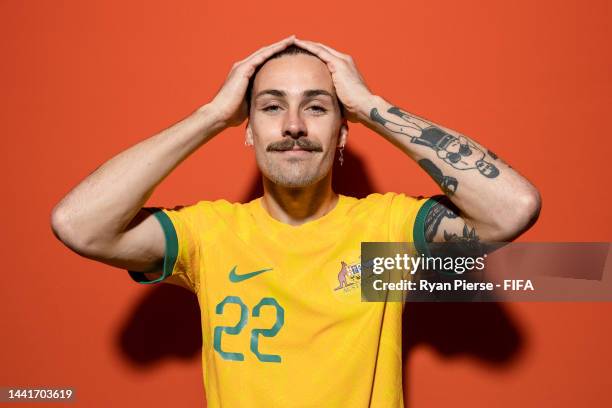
x=289 y=143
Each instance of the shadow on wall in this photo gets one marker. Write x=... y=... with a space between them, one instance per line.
x=166 y=324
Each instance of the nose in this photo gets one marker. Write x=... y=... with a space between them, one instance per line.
x=293 y=125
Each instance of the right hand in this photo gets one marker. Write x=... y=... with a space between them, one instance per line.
x=229 y=103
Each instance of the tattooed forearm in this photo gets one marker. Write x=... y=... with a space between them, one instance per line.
x=408 y=129
x=447 y=184
x=459 y=152
x=494 y=204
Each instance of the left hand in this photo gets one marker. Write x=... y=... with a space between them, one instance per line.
x=350 y=86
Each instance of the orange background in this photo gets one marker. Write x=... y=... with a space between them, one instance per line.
x=80 y=82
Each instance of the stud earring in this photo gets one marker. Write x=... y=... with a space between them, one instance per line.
x=341 y=156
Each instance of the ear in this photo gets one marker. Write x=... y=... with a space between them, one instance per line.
x=248 y=137
x=343 y=135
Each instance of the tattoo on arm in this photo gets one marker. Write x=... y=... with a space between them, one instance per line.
x=444 y=208
x=454 y=243
x=495 y=157
x=458 y=152
x=408 y=129
x=467 y=235
x=440 y=210
x=447 y=184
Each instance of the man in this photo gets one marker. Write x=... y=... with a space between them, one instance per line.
x=282 y=322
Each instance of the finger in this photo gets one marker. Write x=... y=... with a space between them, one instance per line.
x=332 y=51
x=282 y=43
x=249 y=65
x=269 y=50
x=317 y=50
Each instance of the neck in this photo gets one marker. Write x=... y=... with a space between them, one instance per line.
x=296 y=206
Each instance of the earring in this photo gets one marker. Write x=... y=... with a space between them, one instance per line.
x=341 y=157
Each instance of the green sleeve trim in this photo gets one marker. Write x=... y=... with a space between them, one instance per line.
x=418 y=232
x=171 y=248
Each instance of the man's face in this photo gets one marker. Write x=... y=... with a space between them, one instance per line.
x=487 y=169
x=295 y=120
x=453 y=146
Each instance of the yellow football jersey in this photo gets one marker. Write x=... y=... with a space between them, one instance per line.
x=283 y=324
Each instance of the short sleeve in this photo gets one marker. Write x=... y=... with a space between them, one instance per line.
x=407 y=218
x=182 y=255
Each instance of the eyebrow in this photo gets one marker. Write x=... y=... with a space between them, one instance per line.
x=310 y=93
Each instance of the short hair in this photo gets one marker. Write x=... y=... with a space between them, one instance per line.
x=290 y=50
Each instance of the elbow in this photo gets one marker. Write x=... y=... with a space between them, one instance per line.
x=65 y=228
x=533 y=205
x=60 y=224
x=529 y=207
x=523 y=212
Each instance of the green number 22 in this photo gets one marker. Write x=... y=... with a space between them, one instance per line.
x=255 y=333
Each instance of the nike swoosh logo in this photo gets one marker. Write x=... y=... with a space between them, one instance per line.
x=234 y=277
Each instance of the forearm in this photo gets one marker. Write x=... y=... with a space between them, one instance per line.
x=492 y=197
x=101 y=207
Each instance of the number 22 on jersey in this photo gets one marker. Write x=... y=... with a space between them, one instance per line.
x=255 y=333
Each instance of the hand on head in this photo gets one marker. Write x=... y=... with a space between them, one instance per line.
x=230 y=104
x=350 y=86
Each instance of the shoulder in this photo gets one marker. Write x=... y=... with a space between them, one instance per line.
x=390 y=200
x=205 y=206
x=388 y=206
x=205 y=211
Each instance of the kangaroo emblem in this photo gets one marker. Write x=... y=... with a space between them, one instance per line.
x=349 y=275
x=342 y=275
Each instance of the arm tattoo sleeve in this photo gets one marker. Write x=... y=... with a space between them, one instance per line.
x=440 y=210
x=459 y=152
x=447 y=184
x=454 y=243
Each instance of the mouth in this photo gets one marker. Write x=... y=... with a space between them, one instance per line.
x=296 y=151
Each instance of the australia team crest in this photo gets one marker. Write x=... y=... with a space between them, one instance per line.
x=349 y=276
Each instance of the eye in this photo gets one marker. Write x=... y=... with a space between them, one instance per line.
x=271 y=108
x=318 y=109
